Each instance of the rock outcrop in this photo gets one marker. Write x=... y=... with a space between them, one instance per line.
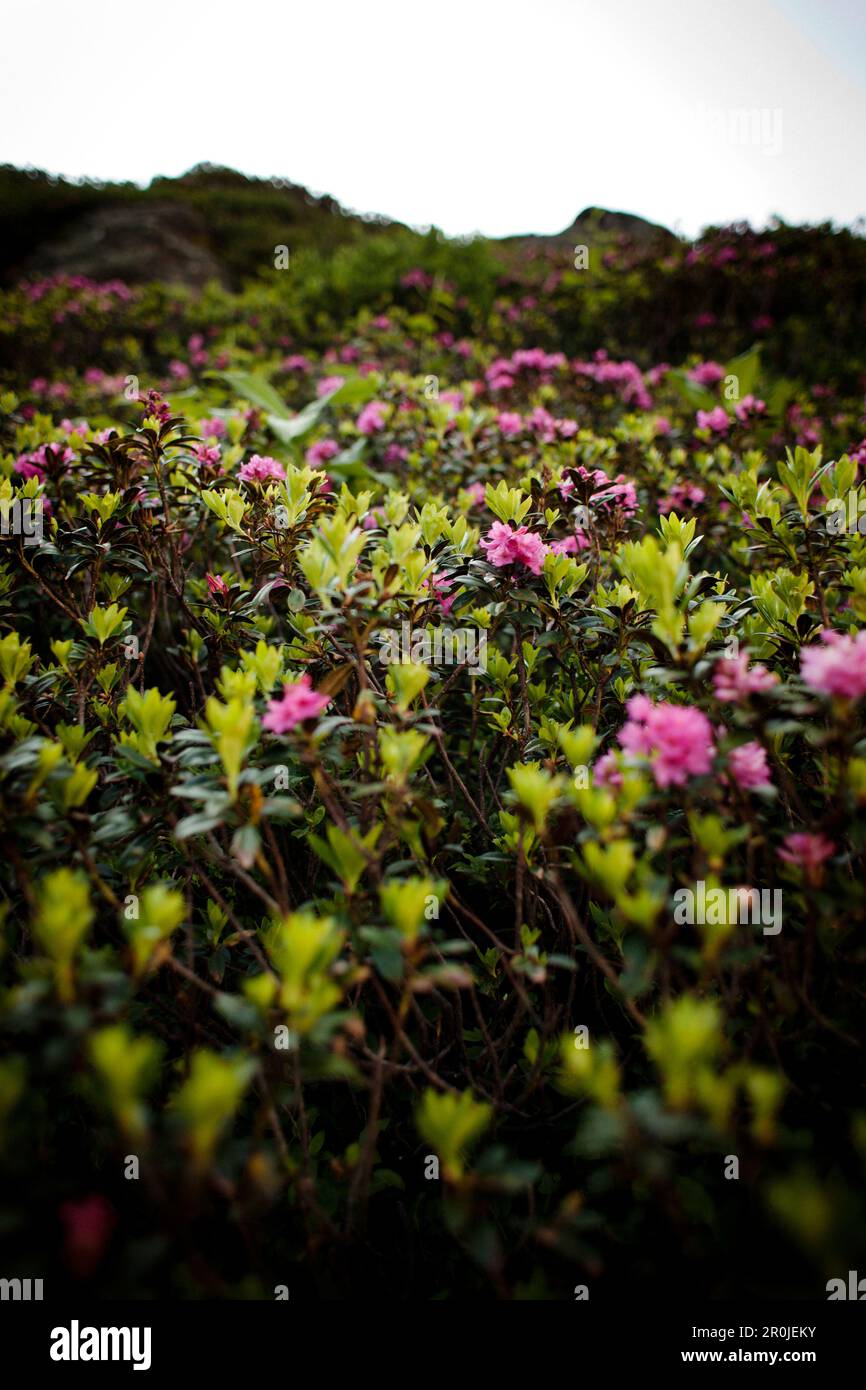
x=135 y=242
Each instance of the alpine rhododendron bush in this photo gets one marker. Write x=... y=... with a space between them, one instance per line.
x=433 y=775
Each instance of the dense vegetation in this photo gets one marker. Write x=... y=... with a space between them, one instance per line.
x=370 y=979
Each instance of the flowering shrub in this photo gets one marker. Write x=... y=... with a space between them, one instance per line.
x=331 y=973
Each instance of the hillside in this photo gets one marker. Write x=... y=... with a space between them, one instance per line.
x=50 y=224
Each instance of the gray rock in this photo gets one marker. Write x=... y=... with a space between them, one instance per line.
x=135 y=242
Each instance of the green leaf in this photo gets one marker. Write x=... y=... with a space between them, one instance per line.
x=256 y=389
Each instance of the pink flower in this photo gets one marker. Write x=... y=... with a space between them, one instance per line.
x=48 y=457
x=657 y=374
x=734 y=682
x=565 y=547
x=717 y=420
x=87 y=1228
x=372 y=418
x=329 y=384
x=27 y=468
x=680 y=496
x=543 y=423
x=807 y=851
x=260 y=468
x=153 y=405
x=621 y=493
x=507 y=547
x=477 y=493
x=748 y=765
x=749 y=405
x=662 y=425
x=207 y=455
x=217 y=584
x=677 y=739
x=417 y=279
x=509 y=423
x=215 y=428
x=440 y=587
x=838 y=667
x=298 y=702
x=606 y=773
x=706 y=373
x=321 y=451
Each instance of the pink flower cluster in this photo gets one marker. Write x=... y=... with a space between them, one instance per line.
x=681 y=495
x=677 y=739
x=329 y=384
x=440 y=587
x=706 y=373
x=571 y=544
x=416 y=279
x=505 y=546
x=718 y=420
x=806 y=851
x=626 y=377
x=297 y=703
x=545 y=426
x=261 y=469
x=46 y=458
x=371 y=418
x=749 y=767
x=749 y=406
x=321 y=451
x=837 y=667
x=39 y=288
x=509 y=423
x=213 y=429
x=734 y=682
x=502 y=372
x=208 y=455
x=621 y=492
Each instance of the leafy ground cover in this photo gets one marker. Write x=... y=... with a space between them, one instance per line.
x=399 y=655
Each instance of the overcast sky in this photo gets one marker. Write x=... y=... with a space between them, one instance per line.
x=497 y=116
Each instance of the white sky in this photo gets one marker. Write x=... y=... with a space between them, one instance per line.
x=499 y=116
